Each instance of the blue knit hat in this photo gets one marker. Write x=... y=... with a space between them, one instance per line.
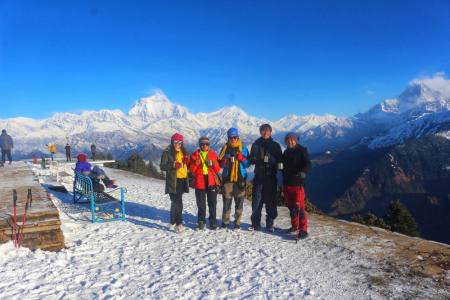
x=232 y=132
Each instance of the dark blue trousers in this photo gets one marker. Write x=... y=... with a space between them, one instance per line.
x=264 y=192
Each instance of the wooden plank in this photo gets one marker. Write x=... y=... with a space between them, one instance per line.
x=42 y=229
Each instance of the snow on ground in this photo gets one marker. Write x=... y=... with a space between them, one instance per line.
x=141 y=258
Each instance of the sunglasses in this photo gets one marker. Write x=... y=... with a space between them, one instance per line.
x=204 y=144
x=234 y=138
x=177 y=142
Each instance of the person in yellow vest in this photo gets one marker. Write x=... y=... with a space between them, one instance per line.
x=52 y=149
x=205 y=167
x=175 y=161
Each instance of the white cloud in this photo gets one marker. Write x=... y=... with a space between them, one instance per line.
x=436 y=82
x=371 y=93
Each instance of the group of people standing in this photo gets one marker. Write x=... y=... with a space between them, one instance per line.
x=234 y=160
x=68 y=149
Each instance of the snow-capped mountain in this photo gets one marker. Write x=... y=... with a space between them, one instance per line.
x=420 y=110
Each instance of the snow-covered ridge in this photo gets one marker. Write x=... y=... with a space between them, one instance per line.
x=141 y=258
x=419 y=110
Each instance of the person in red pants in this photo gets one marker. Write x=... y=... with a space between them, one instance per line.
x=296 y=164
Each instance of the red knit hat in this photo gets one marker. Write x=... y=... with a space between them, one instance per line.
x=176 y=138
x=82 y=157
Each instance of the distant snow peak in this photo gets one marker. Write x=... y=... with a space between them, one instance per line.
x=437 y=82
x=444 y=134
x=389 y=106
x=156 y=107
x=232 y=111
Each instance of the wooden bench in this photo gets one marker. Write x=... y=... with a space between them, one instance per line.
x=104 y=206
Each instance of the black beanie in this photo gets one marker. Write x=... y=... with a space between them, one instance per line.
x=265 y=126
x=203 y=140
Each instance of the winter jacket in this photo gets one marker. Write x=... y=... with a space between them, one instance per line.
x=67 y=149
x=197 y=169
x=226 y=164
x=6 y=142
x=296 y=163
x=167 y=165
x=82 y=166
x=262 y=148
x=52 y=148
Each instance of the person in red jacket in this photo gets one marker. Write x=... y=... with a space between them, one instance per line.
x=204 y=166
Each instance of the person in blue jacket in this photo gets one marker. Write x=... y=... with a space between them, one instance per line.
x=233 y=159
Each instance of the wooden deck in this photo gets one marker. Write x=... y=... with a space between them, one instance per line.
x=43 y=226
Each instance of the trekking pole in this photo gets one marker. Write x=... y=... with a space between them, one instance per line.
x=24 y=219
x=30 y=196
x=297 y=225
x=15 y=218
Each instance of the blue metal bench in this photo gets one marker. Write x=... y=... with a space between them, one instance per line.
x=104 y=206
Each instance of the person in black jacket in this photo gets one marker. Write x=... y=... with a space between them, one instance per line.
x=265 y=155
x=175 y=161
x=6 y=144
x=93 y=151
x=68 y=154
x=296 y=164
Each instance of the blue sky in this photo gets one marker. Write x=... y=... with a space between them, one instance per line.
x=271 y=58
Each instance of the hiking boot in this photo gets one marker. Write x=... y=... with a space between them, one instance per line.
x=254 y=228
x=201 y=225
x=212 y=226
x=224 y=226
x=291 y=230
x=270 y=228
x=180 y=228
x=237 y=226
x=172 y=227
x=302 y=235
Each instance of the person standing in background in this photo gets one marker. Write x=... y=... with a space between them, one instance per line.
x=93 y=151
x=6 y=143
x=68 y=154
x=52 y=149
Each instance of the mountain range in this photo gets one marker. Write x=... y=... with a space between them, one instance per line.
x=418 y=111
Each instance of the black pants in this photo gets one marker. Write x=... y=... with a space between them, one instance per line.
x=6 y=153
x=209 y=193
x=176 y=203
x=68 y=158
x=264 y=192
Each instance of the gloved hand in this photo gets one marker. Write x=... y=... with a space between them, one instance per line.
x=177 y=165
x=198 y=161
x=186 y=160
x=279 y=179
x=223 y=162
x=240 y=157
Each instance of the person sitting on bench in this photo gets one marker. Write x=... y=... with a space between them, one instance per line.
x=96 y=173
